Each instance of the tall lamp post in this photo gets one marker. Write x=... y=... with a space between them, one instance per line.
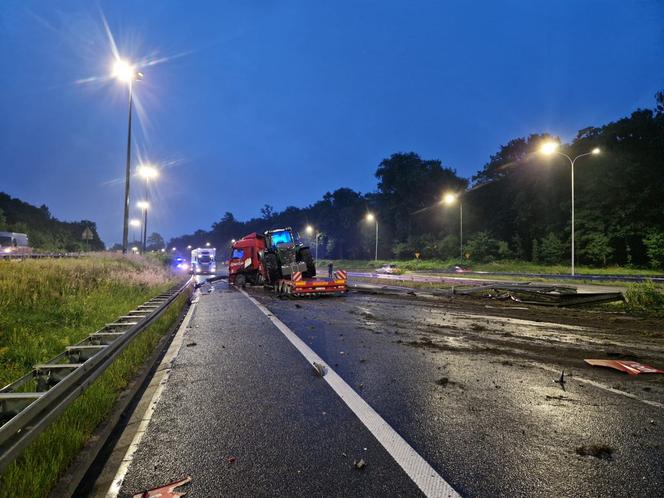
x=370 y=218
x=144 y=205
x=147 y=172
x=549 y=148
x=310 y=230
x=127 y=73
x=135 y=224
x=449 y=199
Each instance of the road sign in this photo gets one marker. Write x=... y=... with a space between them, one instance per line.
x=87 y=234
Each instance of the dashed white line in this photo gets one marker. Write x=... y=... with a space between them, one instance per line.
x=416 y=467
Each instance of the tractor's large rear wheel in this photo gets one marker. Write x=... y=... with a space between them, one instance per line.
x=272 y=268
x=305 y=255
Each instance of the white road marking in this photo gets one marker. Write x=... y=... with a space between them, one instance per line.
x=418 y=469
x=170 y=355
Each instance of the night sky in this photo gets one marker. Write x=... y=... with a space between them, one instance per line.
x=278 y=102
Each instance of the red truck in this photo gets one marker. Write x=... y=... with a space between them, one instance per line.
x=279 y=260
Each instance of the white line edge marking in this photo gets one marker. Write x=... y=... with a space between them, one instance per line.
x=418 y=469
x=170 y=355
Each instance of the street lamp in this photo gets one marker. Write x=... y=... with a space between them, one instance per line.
x=450 y=199
x=550 y=148
x=147 y=172
x=310 y=230
x=189 y=247
x=126 y=73
x=135 y=223
x=370 y=218
x=144 y=206
x=207 y=244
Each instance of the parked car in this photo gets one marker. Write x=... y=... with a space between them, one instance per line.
x=389 y=269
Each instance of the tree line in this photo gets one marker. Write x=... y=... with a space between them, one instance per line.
x=45 y=232
x=516 y=207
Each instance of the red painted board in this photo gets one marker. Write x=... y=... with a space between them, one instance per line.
x=631 y=367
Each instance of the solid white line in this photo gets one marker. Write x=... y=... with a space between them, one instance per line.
x=170 y=355
x=418 y=469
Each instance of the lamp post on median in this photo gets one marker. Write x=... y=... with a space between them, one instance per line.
x=549 y=148
x=144 y=205
x=370 y=218
x=147 y=172
x=310 y=230
x=449 y=199
x=135 y=224
x=127 y=73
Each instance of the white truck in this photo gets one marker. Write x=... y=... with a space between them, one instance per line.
x=203 y=260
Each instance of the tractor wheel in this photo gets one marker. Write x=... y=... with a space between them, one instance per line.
x=272 y=267
x=240 y=280
x=305 y=255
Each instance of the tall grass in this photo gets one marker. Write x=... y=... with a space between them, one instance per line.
x=43 y=462
x=645 y=297
x=46 y=305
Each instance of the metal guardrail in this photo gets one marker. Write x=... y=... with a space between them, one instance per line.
x=31 y=403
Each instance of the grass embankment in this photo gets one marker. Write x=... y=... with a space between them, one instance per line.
x=49 y=304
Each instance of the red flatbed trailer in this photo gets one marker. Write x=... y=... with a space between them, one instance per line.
x=299 y=286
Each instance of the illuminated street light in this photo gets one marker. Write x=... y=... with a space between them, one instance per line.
x=126 y=72
x=189 y=247
x=147 y=172
x=207 y=244
x=135 y=223
x=143 y=205
x=232 y=241
x=174 y=249
x=370 y=218
x=450 y=199
x=549 y=148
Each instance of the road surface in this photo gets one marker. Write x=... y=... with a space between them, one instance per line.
x=468 y=386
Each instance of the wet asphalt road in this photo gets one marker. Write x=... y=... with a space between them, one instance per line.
x=467 y=390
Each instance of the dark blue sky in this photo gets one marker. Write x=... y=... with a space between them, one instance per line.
x=280 y=101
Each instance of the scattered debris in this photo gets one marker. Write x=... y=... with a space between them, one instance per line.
x=477 y=326
x=359 y=464
x=166 y=491
x=298 y=305
x=189 y=344
x=320 y=369
x=631 y=367
x=443 y=381
x=545 y=295
x=600 y=451
x=561 y=380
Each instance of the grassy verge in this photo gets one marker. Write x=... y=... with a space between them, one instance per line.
x=49 y=304
x=496 y=266
x=44 y=461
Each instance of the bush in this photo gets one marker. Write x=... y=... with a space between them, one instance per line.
x=654 y=243
x=403 y=250
x=645 y=296
x=481 y=247
x=596 y=249
x=550 y=250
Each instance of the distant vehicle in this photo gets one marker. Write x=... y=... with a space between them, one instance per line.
x=203 y=260
x=14 y=243
x=390 y=269
x=181 y=264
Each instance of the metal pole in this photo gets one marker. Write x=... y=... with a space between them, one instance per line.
x=317 y=235
x=145 y=220
x=573 y=216
x=461 y=228
x=125 y=228
x=376 y=258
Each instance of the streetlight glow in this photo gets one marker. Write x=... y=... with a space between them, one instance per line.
x=548 y=148
x=143 y=205
x=596 y=150
x=148 y=171
x=370 y=217
x=309 y=229
x=188 y=247
x=125 y=71
x=450 y=198
x=135 y=223
x=207 y=244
